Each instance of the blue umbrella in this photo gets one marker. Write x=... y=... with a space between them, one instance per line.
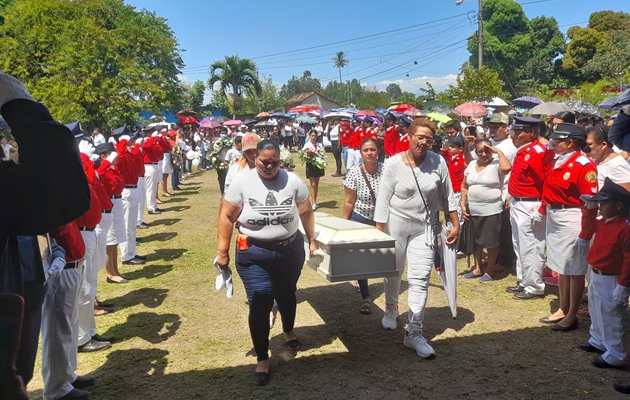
x=351 y=110
x=527 y=101
x=615 y=103
x=381 y=111
x=3 y=124
x=279 y=115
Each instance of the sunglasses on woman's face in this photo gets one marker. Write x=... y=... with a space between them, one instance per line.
x=272 y=163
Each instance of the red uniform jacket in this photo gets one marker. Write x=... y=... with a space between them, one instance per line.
x=403 y=144
x=103 y=197
x=138 y=157
x=69 y=237
x=126 y=164
x=610 y=252
x=111 y=179
x=456 y=168
x=370 y=133
x=345 y=133
x=529 y=168
x=93 y=216
x=164 y=144
x=391 y=139
x=566 y=184
x=356 y=138
x=152 y=150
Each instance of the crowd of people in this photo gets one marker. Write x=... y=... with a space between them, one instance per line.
x=539 y=195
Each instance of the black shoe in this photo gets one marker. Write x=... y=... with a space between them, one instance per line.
x=523 y=295
x=622 y=386
x=82 y=382
x=599 y=362
x=143 y=258
x=93 y=345
x=560 y=328
x=109 y=280
x=156 y=211
x=336 y=175
x=589 y=348
x=134 y=261
x=142 y=226
x=138 y=239
x=514 y=289
x=76 y=394
x=546 y=320
x=100 y=338
x=104 y=304
x=293 y=344
x=261 y=378
x=145 y=223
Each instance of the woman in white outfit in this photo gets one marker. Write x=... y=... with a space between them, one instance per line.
x=414 y=184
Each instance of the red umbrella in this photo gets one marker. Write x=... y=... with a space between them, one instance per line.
x=300 y=109
x=186 y=121
x=368 y=113
x=402 y=107
x=411 y=111
x=474 y=110
x=186 y=112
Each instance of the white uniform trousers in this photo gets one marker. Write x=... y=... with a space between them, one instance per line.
x=60 y=325
x=411 y=246
x=151 y=181
x=529 y=246
x=354 y=158
x=87 y=292
x=101 y=239
x=142 y=190
x=130 y=213
x=606 y=318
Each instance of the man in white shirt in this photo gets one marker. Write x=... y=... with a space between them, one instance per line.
x=243 y=130
x=236 y=152
x=97 y=138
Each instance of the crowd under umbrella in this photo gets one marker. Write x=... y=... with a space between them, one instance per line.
x=551 y=108
x=308 y=120
x=474 y=110
x=527 y=101
x=615 y=103
x=583 y=107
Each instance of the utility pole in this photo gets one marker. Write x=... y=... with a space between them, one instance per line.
x=479 y=31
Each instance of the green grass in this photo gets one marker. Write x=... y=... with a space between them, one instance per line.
x=180 y=339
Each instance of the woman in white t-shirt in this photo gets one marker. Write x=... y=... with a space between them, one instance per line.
x=267 y=202
x=247 y=162
x=287 y=135
x=482 y=203
x=609 y=164
x=313 y=172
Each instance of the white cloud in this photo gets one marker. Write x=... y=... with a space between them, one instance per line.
x=413 y=85
x=182 y=78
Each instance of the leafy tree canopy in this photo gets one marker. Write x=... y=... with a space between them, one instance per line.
x=303 y=84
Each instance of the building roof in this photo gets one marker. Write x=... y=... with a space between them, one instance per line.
x=299 y=98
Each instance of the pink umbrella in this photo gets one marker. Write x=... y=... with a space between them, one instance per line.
x=474 y=110
x=210 y=124
x=368 y=113
x=233 y=122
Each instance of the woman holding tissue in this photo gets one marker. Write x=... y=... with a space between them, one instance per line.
x=267 y=202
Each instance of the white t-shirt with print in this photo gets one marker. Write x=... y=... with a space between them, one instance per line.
x=233 y=154
x=270 y=209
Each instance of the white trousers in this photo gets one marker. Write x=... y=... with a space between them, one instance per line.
x=60 y=325
x=101 y=239
x=142 y=190
x=151 y=181
x=606 y=326
x=354 y=158
x=130 y=213
x=411 y=246
x=529 y=246
x=87 y=291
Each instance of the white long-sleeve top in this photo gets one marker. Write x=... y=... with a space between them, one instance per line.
x=398 y=193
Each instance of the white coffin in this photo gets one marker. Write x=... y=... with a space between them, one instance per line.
x=351 y=250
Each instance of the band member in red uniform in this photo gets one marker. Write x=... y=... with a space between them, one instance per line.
x=456 y=167
x=344 y=138
x=167 y=165
x=152 y=155
x=392 y=136
x=403 y=127
x=354 y=144
x=114 y=185
x=370 y=130
x=570 y=224
x=525 y=189
x=138 y=157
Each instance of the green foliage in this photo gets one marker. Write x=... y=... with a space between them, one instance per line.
x=344 y=93
x=98 y=61
x=219 y=102
x=372 y=99
x=190 y=96
x=608 y=21
x=394 y=91
x=305 y=83
x=238 y=74
x=410 y=98
x=268 y=100
x=474 y=84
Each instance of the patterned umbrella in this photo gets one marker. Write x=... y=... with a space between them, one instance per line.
x=583 y=107
x=474 y=110
x=615 y=103
x=527 y=101
x=551 y=108
x=400 y=107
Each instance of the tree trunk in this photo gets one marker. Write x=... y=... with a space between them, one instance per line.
x=339 y=74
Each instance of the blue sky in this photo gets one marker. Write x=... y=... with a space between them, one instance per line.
x=285 y=37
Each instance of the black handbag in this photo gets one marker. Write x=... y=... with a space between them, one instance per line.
x=465 y=240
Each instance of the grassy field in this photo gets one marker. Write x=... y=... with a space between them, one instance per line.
x=177 y=338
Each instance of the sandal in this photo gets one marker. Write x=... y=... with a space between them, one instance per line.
x=366 y=307
x=166 y=194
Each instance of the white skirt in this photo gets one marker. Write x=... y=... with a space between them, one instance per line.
x=117 y=232
x=167 y=166
x=563 y=228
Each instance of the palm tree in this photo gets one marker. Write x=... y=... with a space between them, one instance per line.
x=340 y=61
x=239 y=74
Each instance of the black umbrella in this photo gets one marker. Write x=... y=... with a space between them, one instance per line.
x=527 y=101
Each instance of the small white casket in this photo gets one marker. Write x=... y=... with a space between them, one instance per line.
x=351 y=250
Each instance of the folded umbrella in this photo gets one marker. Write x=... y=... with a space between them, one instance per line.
x=224 y=279
x=448 y=270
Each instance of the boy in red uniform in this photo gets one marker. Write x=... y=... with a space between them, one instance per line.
x=456 y=167
x=403 y=142
x=609 y=286
x=392 y=136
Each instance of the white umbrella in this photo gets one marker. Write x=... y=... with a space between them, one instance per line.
x=340 y=115
x=496 y=102
x=551 y=108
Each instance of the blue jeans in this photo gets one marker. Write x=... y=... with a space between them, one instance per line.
x=175 y=178
x=363 y=283
x=344 y=156
x=269 y=275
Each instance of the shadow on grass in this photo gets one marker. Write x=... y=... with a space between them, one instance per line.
x=167 y=254
x=152 y=327
x=149 y=271
x=165 y=221
x=328 y=204
x=160 y=237
x=148 y=297
x=174 y=208
x=175 y=199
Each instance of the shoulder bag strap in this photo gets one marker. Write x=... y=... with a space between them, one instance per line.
x=415 y=178
x=367 y=182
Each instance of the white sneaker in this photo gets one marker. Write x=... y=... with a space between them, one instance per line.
x=389 y=319
x=315 y=207
x=419 y=344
